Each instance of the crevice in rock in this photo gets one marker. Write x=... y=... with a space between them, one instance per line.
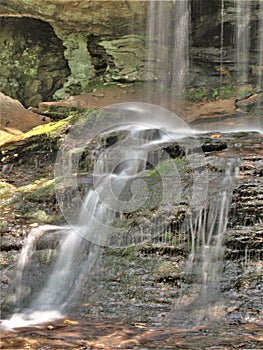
x=99 y=57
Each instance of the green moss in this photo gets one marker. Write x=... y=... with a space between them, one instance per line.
x=19 y=64
x=165 y=167
x=40 y=190
x=239 y=134
x=6 y=190
x=226 y=91
x=51 y=129
x=59 y=112
x=221 y=92
x=8 y=194
x=218 y=92
x=82 y=71
x=196 y=94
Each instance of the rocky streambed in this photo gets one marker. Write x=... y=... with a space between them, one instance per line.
x=140 y=285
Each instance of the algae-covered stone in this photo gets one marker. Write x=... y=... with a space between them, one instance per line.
x=40 y=190
x=39 y=143
x=127 y=58
x=79 y=61
x=8 y=194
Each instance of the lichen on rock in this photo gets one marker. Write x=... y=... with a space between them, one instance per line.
x=79 y=60
x=128 y=58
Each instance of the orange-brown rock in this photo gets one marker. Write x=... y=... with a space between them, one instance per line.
x=13 y=115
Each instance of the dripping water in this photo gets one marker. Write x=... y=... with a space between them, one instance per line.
x=222 y=41
x=206 y=227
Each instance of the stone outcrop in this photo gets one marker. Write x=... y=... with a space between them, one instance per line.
x=96 y=17
x=48 y=46
x=14 y=116
x=128 y=54
x=216 y=55
x=57 y=48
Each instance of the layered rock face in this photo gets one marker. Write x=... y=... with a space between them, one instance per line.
x=226 y=42
x=59 y=48
x=47 y=45
x=97 y=17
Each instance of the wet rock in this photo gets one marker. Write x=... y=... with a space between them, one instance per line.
x=51 y=239
x=10 y=243
x=244 y=242
x=212 y=63
x=247 y=204
x=213 y=145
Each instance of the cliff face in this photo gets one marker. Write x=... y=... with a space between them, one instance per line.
x=63 y=46
x=96 y=17
x=228 y=36
x=57 y=48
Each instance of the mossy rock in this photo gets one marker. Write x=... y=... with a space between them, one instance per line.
x=8 y=194
x=40 y=191
x=59 y=111
x=42 y=142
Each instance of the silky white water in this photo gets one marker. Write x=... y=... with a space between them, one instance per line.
x=204 y=267
x=168 y=31
x=80 y=246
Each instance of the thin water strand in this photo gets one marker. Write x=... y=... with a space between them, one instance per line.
x=243 y=41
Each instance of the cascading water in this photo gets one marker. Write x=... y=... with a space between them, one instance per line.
x=222 y=41
x=205 y=263
x=260 y=44
x=117 y=168
x=243 y=40
x=82 y=245
x=204 y=267
x=168 y=52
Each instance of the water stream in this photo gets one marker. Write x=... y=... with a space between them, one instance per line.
x=207 y=227
x=168 y=53
x=243 y=40
x=80 y=247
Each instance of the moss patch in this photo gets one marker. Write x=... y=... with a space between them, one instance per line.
x=8 y=194
x=40 y=191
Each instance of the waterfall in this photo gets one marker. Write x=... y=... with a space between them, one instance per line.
x=168 y=51
x=204 y=267
x=222 y=41
x=25 y=257
x=119 y=187
x=243 y=40
x=207 y=231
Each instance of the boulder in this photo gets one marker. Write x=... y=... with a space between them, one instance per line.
x=13 y=115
